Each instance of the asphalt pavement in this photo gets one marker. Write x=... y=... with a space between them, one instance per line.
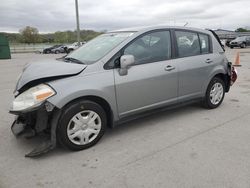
x=188 y=147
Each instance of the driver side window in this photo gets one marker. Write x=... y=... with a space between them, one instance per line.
x=153 y=47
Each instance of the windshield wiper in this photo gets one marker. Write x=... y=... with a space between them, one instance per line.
x=74 y=60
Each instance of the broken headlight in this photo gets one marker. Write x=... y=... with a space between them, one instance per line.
x=32 y=97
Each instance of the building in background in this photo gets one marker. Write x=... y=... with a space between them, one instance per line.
x=226 y=34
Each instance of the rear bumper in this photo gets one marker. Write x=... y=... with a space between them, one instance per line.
x=232 y=74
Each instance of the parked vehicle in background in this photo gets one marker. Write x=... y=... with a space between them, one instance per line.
x=228 y=42
x=241 y=42
x=60 y=49
x=48 y=50
x=74 y=46
x=116 y=77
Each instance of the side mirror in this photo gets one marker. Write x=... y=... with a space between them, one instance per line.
x=125 y=62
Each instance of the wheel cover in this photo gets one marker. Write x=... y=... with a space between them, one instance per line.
x=84 y=127
x=216 y=93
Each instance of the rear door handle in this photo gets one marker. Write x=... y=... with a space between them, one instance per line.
x=169 y=68
x=208 y=61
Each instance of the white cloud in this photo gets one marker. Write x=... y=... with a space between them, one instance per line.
x=55 y=15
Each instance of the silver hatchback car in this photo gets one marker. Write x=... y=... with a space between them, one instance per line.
x=118 y=76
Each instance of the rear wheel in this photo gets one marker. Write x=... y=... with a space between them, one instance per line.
x=243 y=45
x=57 y=51
x=81 y=125
x=214 y=94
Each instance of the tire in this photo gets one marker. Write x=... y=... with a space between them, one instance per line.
x=217 y=87
x=243 y=45
x=57 y=52
x=81 y=125
x=231 y=47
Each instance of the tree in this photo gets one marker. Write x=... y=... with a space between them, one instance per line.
x=30 y=34
x=241 y=30
x=64 y=37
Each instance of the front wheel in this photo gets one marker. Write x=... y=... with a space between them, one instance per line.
x=215 y=93
x=82 y=124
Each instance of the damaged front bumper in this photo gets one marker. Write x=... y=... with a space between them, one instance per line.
x=40 y=120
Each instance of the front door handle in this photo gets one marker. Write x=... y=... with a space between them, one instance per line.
x=169 y=68
x=208 y=61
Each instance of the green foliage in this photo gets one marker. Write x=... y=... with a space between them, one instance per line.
x=242 y=30
x=63 y=37
x=87 y=35
x=70 y=36
x=13 y=37
x=31 y=35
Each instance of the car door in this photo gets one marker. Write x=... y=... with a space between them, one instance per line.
x=153 y=80
x=195 y=62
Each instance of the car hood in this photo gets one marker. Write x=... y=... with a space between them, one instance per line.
x=45 y=71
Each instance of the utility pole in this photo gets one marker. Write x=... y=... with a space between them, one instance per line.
x=77 y=23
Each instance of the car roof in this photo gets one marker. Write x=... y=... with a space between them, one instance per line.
x=149 y=28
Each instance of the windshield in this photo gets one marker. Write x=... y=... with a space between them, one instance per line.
x=98 y=47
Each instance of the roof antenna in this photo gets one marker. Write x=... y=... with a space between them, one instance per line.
x=185 y=24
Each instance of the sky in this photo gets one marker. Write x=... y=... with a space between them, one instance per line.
x=59 y=15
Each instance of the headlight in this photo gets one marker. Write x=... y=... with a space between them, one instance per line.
x=33 y=97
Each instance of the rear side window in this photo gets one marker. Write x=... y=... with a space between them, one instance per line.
x=204 y=41
x=152 y=47
x=188 y=43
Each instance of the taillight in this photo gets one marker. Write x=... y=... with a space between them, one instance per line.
x=233 y=75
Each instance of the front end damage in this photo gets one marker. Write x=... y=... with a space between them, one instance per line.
x=39 y=121
x=34 y=114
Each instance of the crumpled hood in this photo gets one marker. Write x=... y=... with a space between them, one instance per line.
x=51 y=69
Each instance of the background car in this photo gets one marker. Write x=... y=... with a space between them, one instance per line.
x=60 y=49
x=74 y=46
x=228 y=42
x=48 y=50
x=241 y=42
